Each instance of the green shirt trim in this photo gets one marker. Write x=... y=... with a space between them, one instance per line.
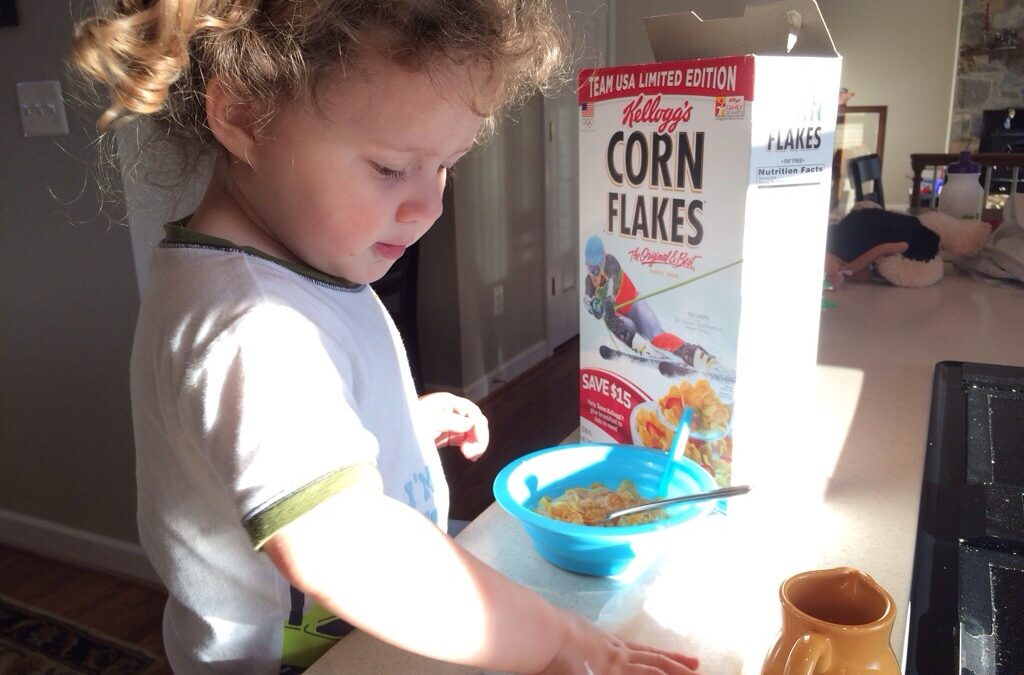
x=267 y=520
x=178 y=234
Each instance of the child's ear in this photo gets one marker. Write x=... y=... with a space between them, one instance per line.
x=230 y=120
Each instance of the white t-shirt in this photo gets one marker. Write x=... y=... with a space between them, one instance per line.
x=260 y=388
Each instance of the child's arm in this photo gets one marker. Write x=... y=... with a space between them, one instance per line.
x=386 y=569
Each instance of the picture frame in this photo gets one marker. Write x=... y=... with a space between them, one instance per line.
x=860 y=130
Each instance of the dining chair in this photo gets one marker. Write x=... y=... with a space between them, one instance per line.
x=397 y=291
x=865 y=169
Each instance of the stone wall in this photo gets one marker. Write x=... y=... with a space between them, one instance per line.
x=990 y=71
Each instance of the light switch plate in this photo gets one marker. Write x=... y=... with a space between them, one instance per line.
x=42 y=108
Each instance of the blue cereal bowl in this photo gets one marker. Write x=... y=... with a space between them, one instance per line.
x=598 y=551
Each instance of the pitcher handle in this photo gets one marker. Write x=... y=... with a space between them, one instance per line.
x=812 y=653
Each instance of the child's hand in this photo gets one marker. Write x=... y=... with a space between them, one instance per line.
x=587 y=650
x=456 y=421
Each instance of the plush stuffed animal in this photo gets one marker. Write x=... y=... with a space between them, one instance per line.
x=904 y=250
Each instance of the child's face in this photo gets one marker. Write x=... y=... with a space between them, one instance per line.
x=347 y=191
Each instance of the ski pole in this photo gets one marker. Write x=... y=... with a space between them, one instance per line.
x=677 y=285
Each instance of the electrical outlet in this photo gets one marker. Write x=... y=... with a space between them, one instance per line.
x=42 y=109
x=499 y=300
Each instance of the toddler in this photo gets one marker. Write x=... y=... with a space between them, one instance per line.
x=289 y=486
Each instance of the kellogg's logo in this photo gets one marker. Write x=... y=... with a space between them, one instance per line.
x=646 y=111
x=729 y=107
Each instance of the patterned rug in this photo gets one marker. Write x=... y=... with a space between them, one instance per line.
x=33 y=642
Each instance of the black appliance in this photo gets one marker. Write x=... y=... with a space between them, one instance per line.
x=966 y=612
x=1001 y=132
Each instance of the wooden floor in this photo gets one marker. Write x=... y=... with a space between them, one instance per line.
x=121 y=609
x=539 y=408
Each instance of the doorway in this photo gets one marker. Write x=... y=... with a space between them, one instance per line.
x=593 y=19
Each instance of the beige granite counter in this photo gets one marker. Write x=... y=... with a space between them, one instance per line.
x=848 y=488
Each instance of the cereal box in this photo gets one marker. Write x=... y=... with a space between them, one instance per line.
x=704 y=190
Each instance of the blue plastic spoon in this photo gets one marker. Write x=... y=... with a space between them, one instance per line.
x=676 y=450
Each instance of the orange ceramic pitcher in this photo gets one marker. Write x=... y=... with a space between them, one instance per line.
x=834 y=622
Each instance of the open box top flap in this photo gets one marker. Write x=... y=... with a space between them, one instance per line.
x=766 y=30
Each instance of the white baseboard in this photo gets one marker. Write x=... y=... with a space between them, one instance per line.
x=505 y=372
x=79 y=547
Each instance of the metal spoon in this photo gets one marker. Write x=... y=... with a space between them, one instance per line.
x=720 y=493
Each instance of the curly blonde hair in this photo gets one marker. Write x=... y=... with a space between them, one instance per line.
x=155 y=56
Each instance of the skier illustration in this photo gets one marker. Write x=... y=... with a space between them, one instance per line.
x=610 y=295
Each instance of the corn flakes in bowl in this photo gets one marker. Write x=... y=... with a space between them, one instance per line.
x=601 y=551
x=590 y=505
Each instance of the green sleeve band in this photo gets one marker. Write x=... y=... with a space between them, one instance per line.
x=268 y=520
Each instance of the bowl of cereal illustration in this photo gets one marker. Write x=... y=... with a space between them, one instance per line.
x=555 y=492
x=712 y=417
x=649 y=429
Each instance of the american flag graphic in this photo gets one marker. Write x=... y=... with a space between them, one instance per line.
x=586 y=109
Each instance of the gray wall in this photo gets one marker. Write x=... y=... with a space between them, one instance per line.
x=68 y=302
x=440 y=326
x=499 y=226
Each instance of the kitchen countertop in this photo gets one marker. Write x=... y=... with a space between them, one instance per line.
x=848 y=497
